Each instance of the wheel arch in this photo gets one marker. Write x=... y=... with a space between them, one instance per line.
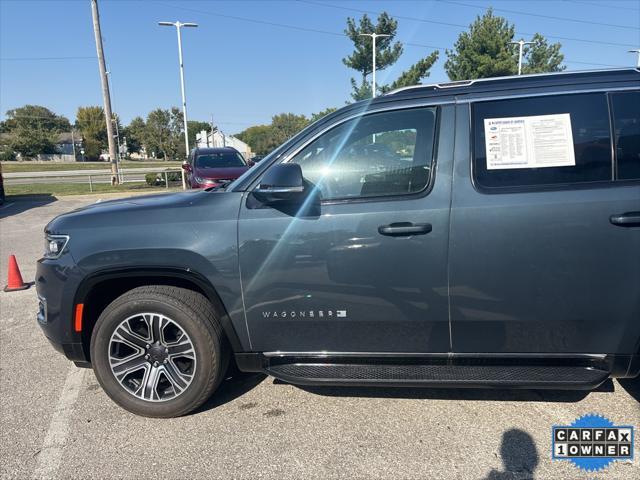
x=98 y=290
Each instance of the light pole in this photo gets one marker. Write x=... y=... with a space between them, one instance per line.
x=521 y=45
x=637 y=52
x=178 y=26
x=373 y=38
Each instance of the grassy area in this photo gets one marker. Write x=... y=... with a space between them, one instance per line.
x=81 y=188
x=34 y=166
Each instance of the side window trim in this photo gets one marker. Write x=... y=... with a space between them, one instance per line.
x=289 y=156
x=614 y=143
x=612 y=135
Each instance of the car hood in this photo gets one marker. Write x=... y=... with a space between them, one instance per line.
x=167 y=209
x=220 y=173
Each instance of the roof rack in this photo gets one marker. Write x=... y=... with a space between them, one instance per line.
x=466 y=83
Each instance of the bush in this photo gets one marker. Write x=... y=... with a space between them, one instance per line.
x=7 y=155
x=153 y=179
x=174 y=176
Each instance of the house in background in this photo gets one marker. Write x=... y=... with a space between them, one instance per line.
x=219 y=139
x=68 y=148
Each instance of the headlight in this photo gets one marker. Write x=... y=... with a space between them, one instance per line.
x=54 y=245
x=204 y=180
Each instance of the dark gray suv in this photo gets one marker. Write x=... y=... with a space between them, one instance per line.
x=472 y=234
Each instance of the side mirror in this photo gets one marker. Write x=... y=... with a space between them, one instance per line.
x=186 y=167
x=282 y=181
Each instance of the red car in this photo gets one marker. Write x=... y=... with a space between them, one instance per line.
x=211 y=167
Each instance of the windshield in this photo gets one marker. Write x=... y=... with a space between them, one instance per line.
x=220 y=160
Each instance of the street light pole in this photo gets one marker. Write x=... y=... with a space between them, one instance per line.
x=373 y=38
x=637 y=52
x=521 y=45
x=178 y=26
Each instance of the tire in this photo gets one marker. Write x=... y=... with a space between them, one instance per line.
x=159 y=351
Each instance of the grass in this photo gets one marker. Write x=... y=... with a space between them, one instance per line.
x=81 y=188
x=35 y=166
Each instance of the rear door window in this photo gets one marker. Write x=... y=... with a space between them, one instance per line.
x=542 y=141
x=626 y=124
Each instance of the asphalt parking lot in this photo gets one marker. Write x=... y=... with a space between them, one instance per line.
x=57 y=422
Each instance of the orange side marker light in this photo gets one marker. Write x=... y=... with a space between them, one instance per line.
x=78 y=317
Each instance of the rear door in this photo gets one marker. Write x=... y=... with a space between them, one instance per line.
x=545 y=257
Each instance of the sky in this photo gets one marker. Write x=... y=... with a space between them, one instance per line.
x=250 y=60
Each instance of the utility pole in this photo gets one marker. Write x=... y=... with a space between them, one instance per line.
x=637 y=52
x=521 y=44
x=73 y=145
x=115 y=122
x=211 y=132
x=373 y=38
x=178 y=26
x=105 y=92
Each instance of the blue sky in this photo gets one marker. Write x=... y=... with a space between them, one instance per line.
x=242 y=67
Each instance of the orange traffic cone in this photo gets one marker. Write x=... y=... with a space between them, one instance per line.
x=15 y=281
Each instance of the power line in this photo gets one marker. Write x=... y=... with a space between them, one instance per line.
x=313 y=30
x=607 y=6
x=564 y=19
x=281 y=25
x=458 y=25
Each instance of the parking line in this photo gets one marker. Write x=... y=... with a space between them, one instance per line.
x=7 y=205
x=51 y=452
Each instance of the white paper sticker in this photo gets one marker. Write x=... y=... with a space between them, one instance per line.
x=529 y=142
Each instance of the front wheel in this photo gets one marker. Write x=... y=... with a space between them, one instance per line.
x=158 y=351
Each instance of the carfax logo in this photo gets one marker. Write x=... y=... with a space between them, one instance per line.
x=592 y=442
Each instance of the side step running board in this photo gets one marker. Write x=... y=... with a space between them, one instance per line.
x=523 y=376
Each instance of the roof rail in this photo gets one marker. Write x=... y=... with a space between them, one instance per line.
x=466 y=83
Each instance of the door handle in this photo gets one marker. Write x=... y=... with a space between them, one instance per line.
x=404 y=229
x=628 y=219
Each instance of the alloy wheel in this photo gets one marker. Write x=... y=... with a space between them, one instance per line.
x=152 y=357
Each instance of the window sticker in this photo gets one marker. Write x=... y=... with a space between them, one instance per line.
x=529 y=142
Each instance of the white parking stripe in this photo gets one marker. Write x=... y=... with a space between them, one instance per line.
x=50 y=455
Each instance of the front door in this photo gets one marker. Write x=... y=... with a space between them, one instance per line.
x=368 y=271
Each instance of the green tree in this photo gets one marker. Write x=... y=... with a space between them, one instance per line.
x=323 y=113
x=414 y=74
x=164 y=134
x=90 y=121
x=259 y=138
x=134 y=133
x=286 y=125
x=157 y=132
x=32 y=130
x=486 y=51
x=387 y=52
x=175 y=146
x=264 y=138
x=542 y=57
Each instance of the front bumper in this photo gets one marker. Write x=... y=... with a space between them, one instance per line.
x=57 y=282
